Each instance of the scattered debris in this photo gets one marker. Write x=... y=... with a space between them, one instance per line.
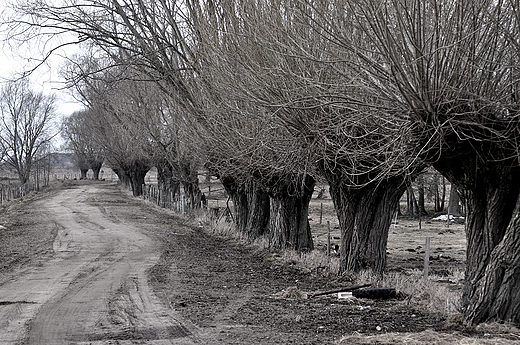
x=344 y=289
x=375 y=293
x=344 y=295
x=444 y=217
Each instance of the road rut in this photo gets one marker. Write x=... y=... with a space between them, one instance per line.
x=94 y=290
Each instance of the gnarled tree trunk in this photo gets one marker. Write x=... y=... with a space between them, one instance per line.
x=251 y=207
x=137 y=172
x=124 y=179
x=192 y=189
x=496 y=294
x=289 y=219
x=83 y=166
x=365 y=215
x=132 y=175
x=490 y=194
x=83 y=174
x=258 y=216
x=190 y=181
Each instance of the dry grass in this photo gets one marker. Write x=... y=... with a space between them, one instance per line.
x=316 y=262
x=224 y=228
x=429 y=337
x=433 y=294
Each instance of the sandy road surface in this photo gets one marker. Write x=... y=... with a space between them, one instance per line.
x=94 y=290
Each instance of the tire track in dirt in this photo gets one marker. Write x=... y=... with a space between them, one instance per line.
x=95 y=289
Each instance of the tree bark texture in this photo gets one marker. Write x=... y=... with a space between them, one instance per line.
x=365 y=215
x=192 y=190
x=453 y=207
x=289 y=220
x=410 y=202
x=251 y=207
x=167 y=184
x=257 y=224
x=495 y=295
x=490 y=193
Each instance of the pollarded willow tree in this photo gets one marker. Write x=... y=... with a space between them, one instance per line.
x=268 y=54
x=450 y=69
x=161 y=40
x=161 y=118
x=113 y=107
x=265 y=170
x=258 y=157
x=78 y=133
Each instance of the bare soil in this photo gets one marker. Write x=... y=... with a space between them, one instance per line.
x=91 y=265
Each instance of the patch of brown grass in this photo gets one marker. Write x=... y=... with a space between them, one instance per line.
x=434 y=294
x=437 y=294
x=427 y=337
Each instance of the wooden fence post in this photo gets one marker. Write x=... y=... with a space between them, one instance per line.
x=328 y=238
x=426 y=258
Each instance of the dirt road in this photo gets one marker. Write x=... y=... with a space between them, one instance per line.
x=92 y=265
x=94 y=290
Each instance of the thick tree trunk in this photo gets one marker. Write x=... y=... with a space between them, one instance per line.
x=83 y=173
x=192 y=190
x=410 y=202
x=137 y=172
x=167 y=184
x=83 y=166
x=365 y=215
x=289 y=221
x=236 y=192
x=259 y=211
x=251 y=207
x=496 y=294
x=96 y=168
x=453 y=204
x=132 y=175
x=124 y=179
x=23 y=177
x=490 y=194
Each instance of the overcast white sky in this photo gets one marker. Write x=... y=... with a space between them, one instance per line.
x=45 y=79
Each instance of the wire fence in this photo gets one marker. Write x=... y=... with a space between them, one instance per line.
x=168 y=198
x=9 y=192
x=177 y=202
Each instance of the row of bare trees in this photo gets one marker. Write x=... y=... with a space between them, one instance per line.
x=272 y=95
